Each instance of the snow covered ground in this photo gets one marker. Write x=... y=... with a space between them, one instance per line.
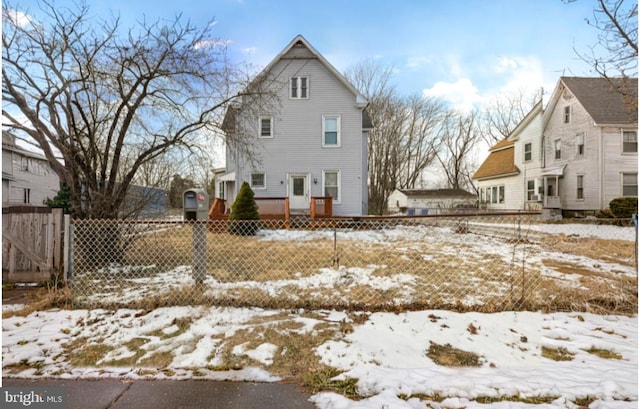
x=385 y=352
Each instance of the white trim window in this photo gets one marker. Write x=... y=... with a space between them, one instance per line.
x=557 y=150
x=528 y=151
x=299 y=88
x=629 y=184
x=580 y=144
x=331 y=184
x=265 y=127
x=331 y=131
x=566 y=117
x=580 y=187
x=531 y=189
x=258 y=180
x=629 y=142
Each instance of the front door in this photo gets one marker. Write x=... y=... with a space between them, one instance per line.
x=299 y=192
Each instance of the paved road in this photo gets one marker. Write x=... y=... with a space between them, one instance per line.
x=116 y=394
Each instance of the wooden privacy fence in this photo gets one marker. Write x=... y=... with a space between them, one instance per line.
x=32 y=243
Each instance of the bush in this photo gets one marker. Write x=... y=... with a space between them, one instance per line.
x=243 y=213
x=624 y=207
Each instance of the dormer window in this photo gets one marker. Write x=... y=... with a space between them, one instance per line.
x=299 y=88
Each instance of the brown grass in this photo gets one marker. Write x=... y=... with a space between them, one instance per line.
x=616 y=251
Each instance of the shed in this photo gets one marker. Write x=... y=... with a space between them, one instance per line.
x=425 y=201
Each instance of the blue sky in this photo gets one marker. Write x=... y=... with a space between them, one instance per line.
x=466 y=51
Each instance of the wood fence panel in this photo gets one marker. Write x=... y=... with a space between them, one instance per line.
x=31 y=243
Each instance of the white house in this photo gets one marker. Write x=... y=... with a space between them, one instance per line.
x=311 y=143
x=27 y=177
x=590 y=134
x=427 y=201
x=510 y=178
x=572 y=157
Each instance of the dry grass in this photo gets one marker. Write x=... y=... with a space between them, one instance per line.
x=447 y=355
x=616 y=251
x=557 y=354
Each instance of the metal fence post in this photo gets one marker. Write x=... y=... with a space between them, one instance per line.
x=199 y=252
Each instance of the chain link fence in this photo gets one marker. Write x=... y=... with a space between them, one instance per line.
x=470 y=262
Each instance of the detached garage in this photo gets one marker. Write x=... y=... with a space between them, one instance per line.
x=428 y=201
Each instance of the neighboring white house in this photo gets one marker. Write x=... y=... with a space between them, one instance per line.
x=27 y=177
x=428 y=201
x=590 y=145
x=571 y=158
x=510 y=178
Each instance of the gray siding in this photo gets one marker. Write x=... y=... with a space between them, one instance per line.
x=296 y=146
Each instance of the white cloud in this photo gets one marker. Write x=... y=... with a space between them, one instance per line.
x=249 y=50
x=19 y=18
x=462 y=94
x=522 y=74
x=211 y=43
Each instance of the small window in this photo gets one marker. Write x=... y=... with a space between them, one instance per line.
x=500 y=194
x=567 y=114
x=629 y=184
x=494 y=194
x=266 y=127
x=580 y=187
x=258 y=180
x=531 y=189
x=630 y=142
x=580 y=143
x=527 y=152
x=331 y=181
x=556 y=147
x=299 y=88
x=330 y=130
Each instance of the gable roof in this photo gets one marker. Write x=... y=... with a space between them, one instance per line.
x=500 y=162
x=601 y=98
x=436 y=193
x=300 y=41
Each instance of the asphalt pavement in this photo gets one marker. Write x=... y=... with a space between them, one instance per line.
x=160 y=394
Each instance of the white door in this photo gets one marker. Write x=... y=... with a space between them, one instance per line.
x=299 y=192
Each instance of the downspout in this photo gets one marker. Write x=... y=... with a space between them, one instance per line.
x=600 y=168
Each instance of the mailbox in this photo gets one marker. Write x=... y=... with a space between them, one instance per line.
x=195 y=204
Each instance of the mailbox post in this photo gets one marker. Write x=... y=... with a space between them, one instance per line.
x=195 y=204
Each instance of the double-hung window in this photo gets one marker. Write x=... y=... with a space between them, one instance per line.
x=258 y=180
x=629 y=184
x=556 y=147
x=629 y=142
x=330 y=131
x=580 y=143
x=580 y=187
x=331 y=182
x=299 y=88
x=265 y=125
x=527 y=151
x=567 y=114
x=531 y=189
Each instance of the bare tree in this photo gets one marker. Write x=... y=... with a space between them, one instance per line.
x=103 y=103
x=503 y=113
x=402 y=142
x=617 y=25
x=615 y=55
x=458 y=138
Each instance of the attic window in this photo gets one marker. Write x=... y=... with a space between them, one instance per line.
x=299 y=88
x=567 y=114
